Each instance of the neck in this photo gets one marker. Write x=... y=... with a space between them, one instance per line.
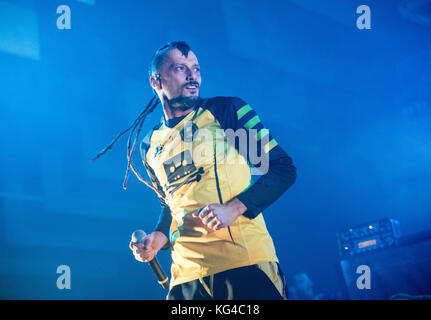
x=171 y=113
x=173 y=109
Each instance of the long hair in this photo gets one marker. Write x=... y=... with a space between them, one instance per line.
x=136 y=127
x=135 y=131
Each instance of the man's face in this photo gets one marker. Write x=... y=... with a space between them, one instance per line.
x=180 y=76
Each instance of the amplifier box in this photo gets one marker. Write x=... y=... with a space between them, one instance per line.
x=399 y=272
x=368 y=237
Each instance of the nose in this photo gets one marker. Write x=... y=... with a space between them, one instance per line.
x=190 y=76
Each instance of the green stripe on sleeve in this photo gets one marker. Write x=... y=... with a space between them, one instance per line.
x=243 y=111
x=262 y=133
x=270 y=145
x=252 y=122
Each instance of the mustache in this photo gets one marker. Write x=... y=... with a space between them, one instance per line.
x=191 y=83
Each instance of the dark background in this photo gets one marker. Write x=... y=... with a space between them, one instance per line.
x=352 y=108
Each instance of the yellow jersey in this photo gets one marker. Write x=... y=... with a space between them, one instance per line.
x=199 y=159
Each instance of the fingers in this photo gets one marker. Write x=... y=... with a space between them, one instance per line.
x=215 y=224
x=201 y=213
x=142 y=252
x=209 y=217
x=143 y=258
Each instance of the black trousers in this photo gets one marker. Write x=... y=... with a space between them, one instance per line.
x=245 y=283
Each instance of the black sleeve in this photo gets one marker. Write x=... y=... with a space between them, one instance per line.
x=278 y=173
x=165 y=217
x=269 y=187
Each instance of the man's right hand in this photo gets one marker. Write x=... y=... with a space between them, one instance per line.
x=145 y=251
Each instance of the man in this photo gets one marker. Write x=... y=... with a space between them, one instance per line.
x=211 y=215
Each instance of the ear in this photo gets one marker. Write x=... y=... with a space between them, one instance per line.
x=156 y=82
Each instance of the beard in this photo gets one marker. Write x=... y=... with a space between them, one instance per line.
x=183 y=103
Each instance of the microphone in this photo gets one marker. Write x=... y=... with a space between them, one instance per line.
x=138 y=237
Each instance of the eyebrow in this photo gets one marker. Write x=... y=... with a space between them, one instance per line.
x=183 y=64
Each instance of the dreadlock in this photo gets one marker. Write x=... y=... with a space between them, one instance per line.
x=137 y=125
x=156 y=62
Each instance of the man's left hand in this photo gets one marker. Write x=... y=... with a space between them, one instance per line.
x=217 y=216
